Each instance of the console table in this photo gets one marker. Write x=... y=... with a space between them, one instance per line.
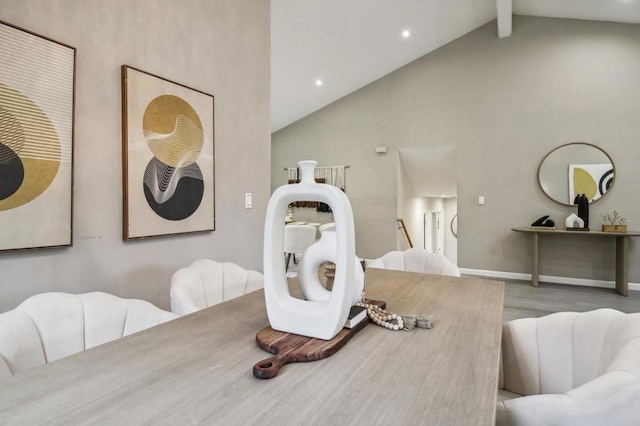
x=622 y=251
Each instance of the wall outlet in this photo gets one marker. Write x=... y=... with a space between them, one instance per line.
x=481 y=200
x=248 y=200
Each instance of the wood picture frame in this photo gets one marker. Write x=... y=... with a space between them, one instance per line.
x=37 y=113
x=168 y=157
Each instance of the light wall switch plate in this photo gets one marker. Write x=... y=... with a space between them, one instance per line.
x=481 y=200
x=248 y=200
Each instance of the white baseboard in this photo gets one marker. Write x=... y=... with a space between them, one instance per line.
x=546 y=278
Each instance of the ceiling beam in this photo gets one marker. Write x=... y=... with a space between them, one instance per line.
x=504 y=8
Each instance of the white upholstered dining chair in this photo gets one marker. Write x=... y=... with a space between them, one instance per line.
x=50 y=326
x=571 y=368
x=206 y=283
x=297 y=238
x=327 y=226
x=415 y=260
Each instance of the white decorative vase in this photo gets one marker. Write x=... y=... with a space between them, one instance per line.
x=322 y=319
x=325 y=250
x=573 y=221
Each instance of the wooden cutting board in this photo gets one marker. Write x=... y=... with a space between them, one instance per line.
x=288 y=347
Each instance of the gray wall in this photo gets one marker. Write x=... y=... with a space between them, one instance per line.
x=218 y=46
x=504 y=103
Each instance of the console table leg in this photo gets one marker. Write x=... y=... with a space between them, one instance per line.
x=534 y=260
x=622 y=265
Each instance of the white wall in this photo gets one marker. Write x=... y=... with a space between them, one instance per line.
x=218 y=46
x=506 y=103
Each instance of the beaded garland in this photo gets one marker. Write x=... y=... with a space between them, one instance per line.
x=383 y=318
x=395 y=322
x=392 y=321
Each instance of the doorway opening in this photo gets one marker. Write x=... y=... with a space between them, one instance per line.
x=427 y=197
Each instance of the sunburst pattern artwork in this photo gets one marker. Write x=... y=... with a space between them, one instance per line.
x=36 y=140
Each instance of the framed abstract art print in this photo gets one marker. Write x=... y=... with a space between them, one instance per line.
x=37 y=96
x=168 y=157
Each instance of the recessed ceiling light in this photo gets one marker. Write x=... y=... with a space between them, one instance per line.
x=318 y=82
x=406 y=33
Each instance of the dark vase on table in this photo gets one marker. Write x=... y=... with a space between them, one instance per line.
x=583 y=208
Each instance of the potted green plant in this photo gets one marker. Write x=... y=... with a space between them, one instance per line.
x=616 y=223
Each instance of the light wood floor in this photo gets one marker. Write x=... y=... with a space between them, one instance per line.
x=521 y=300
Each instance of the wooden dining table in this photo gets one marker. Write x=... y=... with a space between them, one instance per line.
x=197 y=369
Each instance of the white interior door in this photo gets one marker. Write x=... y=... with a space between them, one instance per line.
x=439 y=231
x=433 y=235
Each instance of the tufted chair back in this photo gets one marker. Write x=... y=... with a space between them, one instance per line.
x=327 y=226
x=577 y=368
x=206 y=283
x=50 y=326
x=416 y=260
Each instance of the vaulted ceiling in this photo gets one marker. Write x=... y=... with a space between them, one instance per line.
x=347 y=44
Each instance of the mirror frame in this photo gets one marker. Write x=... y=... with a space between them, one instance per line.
x=454 y=224
x=613 y=165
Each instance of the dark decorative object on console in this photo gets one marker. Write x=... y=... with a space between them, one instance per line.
x=583 y=208
x=545 y=222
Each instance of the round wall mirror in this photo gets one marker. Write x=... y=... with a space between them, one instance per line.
x=576 y=168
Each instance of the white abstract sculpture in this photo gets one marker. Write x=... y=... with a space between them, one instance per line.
x=318 y=253
x=574 y=221
x=320 y=317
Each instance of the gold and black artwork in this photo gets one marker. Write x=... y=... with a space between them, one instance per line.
x=36 y=140
x=168 y=154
